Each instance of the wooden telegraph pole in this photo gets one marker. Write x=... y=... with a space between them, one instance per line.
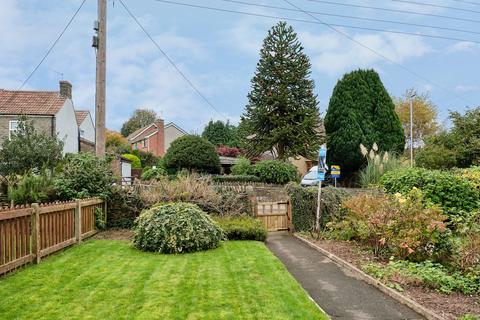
x=101 y=44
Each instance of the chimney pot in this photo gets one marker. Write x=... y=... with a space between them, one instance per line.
x=66 y=89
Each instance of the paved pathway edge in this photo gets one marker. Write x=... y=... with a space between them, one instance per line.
x=427 y=313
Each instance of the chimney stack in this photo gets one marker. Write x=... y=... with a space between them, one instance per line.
x=65 y=89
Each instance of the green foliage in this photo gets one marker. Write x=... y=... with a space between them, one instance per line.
x=427 y=273
x=192 y=153
x=116 y=143
x=139 y=119
x=124 y=206
x=436 y=157
x=84 y=175
x=282 y=113
x=176 y=228
x=136 y=164
x=220 y=133
x=242 y=167
x=100 y=223
x=378 y=164
x=147 y=159
x=471 y=174
x=361 y=112
x=240 y=178
x=32 y=188
x=304 y=205
x=454 y=194
x=469 y=317
x=275 y=171
x=399 y=226
x=29 y=149
x=466 y=128
x=156 y=173
x=242 y=228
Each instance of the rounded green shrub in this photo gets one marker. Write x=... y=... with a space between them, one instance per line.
x=275 y=171
x=136 y=163
x=176 y=228
x=192 y=153
x=454 y=194
x=242 y=167
x=156 y=173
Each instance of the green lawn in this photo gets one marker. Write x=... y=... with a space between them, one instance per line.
x=103 y=279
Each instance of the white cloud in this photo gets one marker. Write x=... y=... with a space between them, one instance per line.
x=463 y=46
x=333 y=54
x=467 y=88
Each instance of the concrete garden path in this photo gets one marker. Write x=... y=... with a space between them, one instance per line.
x=339 y=293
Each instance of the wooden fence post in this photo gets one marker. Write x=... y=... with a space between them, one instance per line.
x=105 y=211
x=78 y=222
x=36 y=245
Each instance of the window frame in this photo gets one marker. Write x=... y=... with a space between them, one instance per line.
x=10 y=130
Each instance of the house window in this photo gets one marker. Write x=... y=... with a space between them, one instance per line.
x=12 y=128
x=145 y=143
x=82 y=133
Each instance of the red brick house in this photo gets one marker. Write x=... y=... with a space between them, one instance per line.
x=155 y=137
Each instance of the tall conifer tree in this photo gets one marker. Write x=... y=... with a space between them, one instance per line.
x=361 y=111
x=282 y=113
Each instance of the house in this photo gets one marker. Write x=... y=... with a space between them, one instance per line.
x=51 y=111
x=155 y=137
x=86 y=131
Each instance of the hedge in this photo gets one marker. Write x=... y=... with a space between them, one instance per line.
x=123 y=207
x=242 y=228
x=304 y=205
x=456 y=195
x=240 y=178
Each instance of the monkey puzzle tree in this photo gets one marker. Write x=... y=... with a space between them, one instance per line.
x=282 y=113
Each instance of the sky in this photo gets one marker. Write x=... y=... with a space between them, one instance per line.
x=218 y=52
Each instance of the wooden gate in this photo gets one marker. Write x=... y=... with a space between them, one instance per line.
x=276 y=216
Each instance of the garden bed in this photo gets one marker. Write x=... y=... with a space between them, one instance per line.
x=449 y=306
x=108 y=279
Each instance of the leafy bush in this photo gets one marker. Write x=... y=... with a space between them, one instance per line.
x=454 y=194
x=242 y=228
x=29 y=149
x=123 y=207
x=192 y=153
x=236 y=178
x=304 y=205
x=84 y=175
x=176 y=228
x=378 y=164
x=472 y=175
x=398 y=225
x=242 y=167
x=147 y=159
x=427 y=273
x=436 y=157
x=275 y=171
x=136 y=163
x=227 y=151
x=156 y=173
x=32 y=188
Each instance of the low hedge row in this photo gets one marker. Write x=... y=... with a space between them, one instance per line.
x=123 y=207
x=231 y=178
x=304 y=205
x=242 y=228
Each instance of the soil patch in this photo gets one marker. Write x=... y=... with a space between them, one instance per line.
x=451 y=306
x=115 y=234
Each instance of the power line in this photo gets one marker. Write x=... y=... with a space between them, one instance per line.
x=50 y=49
x=353 y=17
x=316 y=22
x=374 y=51
x=435 y=6
x=468 y=2
x=395 y=10
x=170 y=60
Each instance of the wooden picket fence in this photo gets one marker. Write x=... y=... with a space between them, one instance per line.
x=28 y=233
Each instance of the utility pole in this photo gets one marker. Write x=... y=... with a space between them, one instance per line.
x=101 y=45
x=411 y=128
